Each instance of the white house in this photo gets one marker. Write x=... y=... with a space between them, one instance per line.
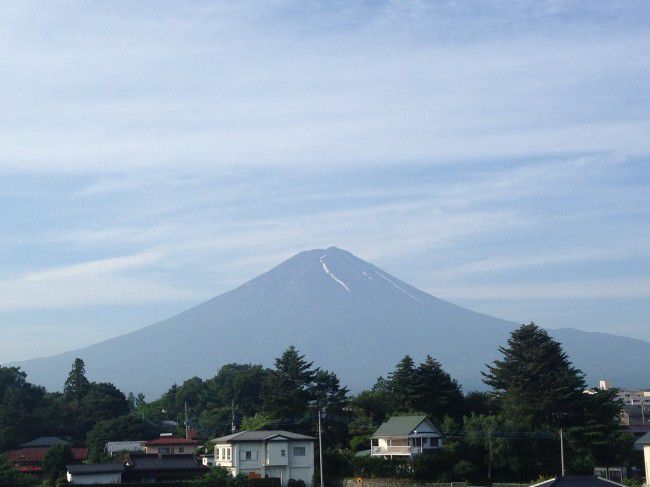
x=257 y=454
x=95 y=474
x=405 y=436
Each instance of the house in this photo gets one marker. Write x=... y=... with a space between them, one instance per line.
x=95 y=474
x=147 y=468
x=29 y=459
x=115 y=447
x=170 y=445
x=277 y=454
x=405 y=436
x=578 y=481
x=644 y=442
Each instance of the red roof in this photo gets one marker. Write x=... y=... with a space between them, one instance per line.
x=170 y=440
x=36 y=455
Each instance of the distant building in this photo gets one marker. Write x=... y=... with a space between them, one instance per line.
x=45 y=442
x=170 y=445
x=29 y=458
x=143 y=468
x=276 y=454
x=405 y=436
x=116 y=447
x=95 y=474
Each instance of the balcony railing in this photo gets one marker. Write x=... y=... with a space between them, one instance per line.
x=395 y=450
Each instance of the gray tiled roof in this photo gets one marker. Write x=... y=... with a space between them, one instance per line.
x=644 y=440
x=138 y=463
x=260 y=436
x=95 y=468
x=578 y=481
x=44 y=441
x=128 y=446
x=399 y=426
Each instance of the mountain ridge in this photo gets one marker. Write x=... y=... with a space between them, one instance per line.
x=346 y=314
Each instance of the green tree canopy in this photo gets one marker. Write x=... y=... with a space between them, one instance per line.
x=435 y=392
x=402 y=383
x=287 y=391
x=76 y=385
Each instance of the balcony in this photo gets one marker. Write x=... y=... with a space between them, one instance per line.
x=395 y=450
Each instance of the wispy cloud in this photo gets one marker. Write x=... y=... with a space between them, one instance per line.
x=163 y=153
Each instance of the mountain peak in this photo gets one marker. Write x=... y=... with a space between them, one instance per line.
x=344 y=313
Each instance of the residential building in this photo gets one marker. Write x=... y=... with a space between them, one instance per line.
x=644 y=442
x=114 y=447
x=29 y=458
x=147 y=468
x=405 y=436
x=95 y=474
x=257 y=454
x=170 y=445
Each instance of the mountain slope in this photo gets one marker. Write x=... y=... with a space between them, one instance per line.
x=344 y=313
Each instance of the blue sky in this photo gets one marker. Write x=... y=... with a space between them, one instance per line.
x=155 y=154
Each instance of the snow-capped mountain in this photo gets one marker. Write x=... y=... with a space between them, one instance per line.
x=345 y=314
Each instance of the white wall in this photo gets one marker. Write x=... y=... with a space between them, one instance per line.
x=102 y=478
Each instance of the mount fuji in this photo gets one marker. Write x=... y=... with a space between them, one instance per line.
x=345 y=314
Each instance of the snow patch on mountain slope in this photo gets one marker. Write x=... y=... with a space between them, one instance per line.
x=329 y=273
x=398 y=287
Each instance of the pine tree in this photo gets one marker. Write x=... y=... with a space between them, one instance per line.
x=402 y=382
x=332 y=400
x=538 y=389
x=536 y=381
x=436 y=392
x=287 y=391
x=76 y=385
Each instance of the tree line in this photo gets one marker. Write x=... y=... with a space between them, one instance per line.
x=507 y=433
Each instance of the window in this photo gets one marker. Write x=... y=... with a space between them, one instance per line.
x=216 y=453
x=164 y=450
x=181 y=449
x=250 y=455
x=227 y=453
x=283 y=453
x=298 y=451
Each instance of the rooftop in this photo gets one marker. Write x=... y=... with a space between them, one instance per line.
x=399 y=426
x=644 y=440
x=578 y=481
x=138 y=463
x=95 y=468
x=170 y=440
x=38 y=454
x=262 y=435
x=127 y=446
x=45 y=441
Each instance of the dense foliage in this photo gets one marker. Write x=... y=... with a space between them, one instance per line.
x=509 y=433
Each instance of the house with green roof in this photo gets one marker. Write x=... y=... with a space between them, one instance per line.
x=405 y=436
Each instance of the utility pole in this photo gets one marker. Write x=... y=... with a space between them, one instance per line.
x=320 y=450
x=232 y=412
x=187 y=428
x=562 y=450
